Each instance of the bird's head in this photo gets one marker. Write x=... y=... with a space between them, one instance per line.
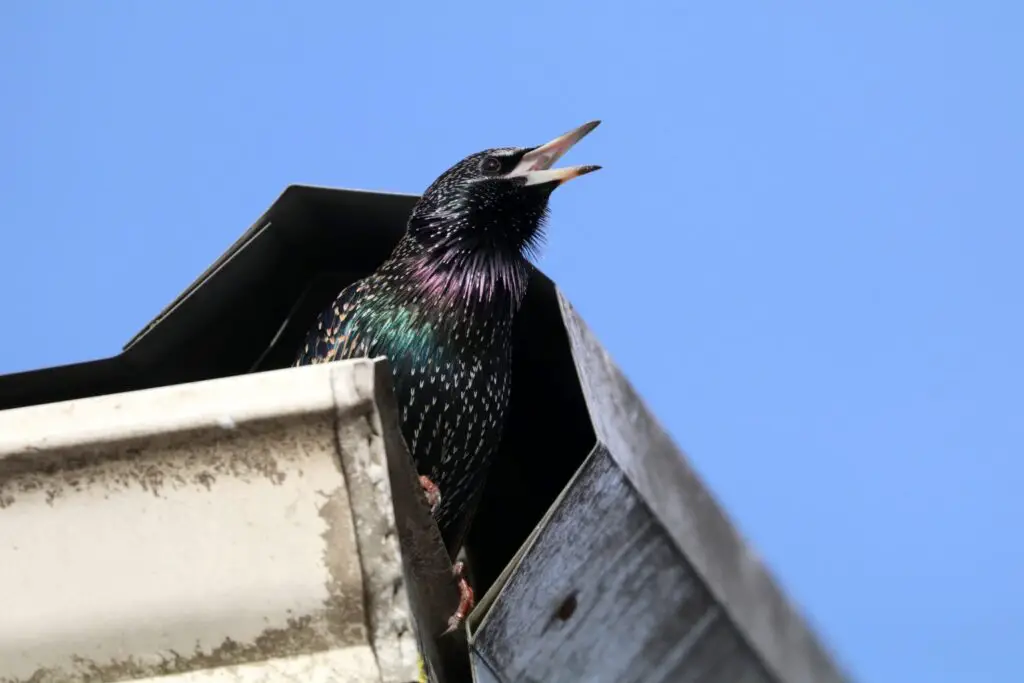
x=494 y=201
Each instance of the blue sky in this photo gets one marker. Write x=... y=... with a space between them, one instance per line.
x=804 y=247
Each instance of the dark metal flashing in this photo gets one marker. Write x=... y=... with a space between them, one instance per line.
x=303 y=216
x=214 y=328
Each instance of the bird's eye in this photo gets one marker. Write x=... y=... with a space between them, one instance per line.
x=490 y=165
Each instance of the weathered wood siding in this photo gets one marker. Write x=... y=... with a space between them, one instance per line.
x=637 y=575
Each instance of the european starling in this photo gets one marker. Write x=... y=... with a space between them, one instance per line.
x=441 y=310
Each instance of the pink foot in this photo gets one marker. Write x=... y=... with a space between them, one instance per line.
x=466 y=598
x=432 y=493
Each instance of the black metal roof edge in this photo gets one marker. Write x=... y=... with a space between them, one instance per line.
x=73 y=366
x=254 y=230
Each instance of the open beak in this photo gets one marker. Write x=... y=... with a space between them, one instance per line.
x=536 y=164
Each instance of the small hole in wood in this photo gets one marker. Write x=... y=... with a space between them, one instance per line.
x=567 y=608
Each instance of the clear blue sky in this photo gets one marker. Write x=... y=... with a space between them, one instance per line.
x=804 y=248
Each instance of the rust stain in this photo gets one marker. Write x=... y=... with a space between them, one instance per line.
x=182 y=459
x=300 y=636
x=345 y=610
x=198 y=459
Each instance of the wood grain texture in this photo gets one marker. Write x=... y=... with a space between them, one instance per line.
x=686 y=512
x=604 y=595
x=481 y=671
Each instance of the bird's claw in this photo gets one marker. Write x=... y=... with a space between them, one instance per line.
x=466 y=599
x=432 y=492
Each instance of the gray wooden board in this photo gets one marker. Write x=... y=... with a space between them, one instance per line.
x=686 y=511
x=604 y=595
x=481 y=670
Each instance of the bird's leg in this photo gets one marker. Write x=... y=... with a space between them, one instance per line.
x=432 y=492
x=466 y=598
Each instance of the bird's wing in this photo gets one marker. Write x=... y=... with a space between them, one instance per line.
x=333 y=336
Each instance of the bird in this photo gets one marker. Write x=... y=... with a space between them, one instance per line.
x=441 y=309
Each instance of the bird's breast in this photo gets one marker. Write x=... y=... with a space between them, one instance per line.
x=452 y=409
